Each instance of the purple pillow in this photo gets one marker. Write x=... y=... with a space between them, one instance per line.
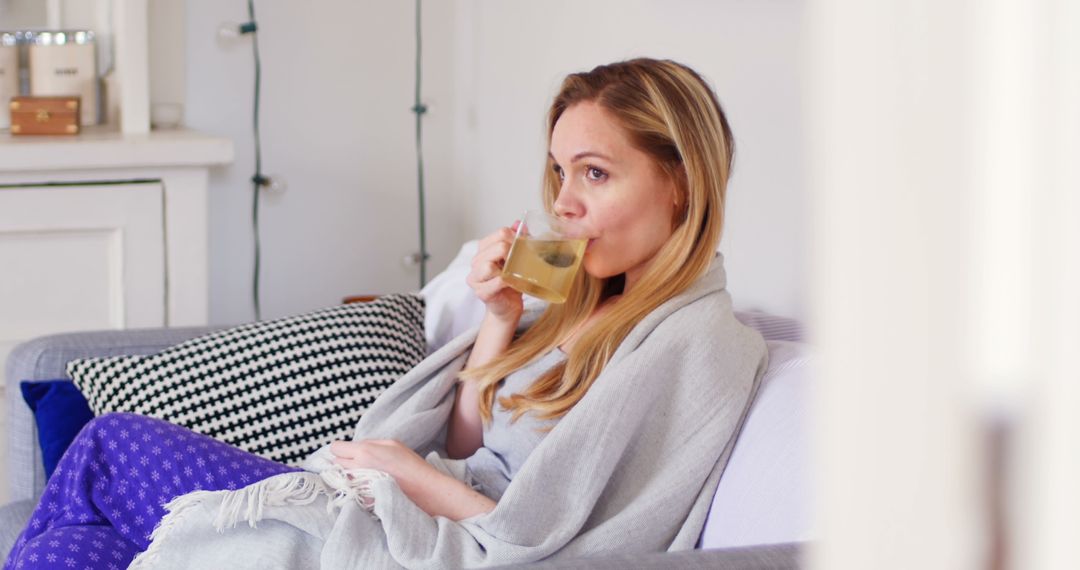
x=60 y=411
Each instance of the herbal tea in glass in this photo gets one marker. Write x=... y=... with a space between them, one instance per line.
x=544 y=258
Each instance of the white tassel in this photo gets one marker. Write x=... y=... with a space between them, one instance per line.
x=351 y=485
x=248 y=503
x=337 y=483
x=340 y=485
x=176 y=508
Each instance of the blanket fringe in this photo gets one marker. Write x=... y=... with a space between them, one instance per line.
x=248 y=503
x=340 y=485
x=351 y=485
x=176 y=508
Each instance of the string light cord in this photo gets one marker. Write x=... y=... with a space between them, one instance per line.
x=258 y=180
x=419 y=109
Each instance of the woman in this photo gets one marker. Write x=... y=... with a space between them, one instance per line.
x=602 y=425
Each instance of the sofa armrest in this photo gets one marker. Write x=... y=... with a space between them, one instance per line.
x=763 y=557
x=46 y=358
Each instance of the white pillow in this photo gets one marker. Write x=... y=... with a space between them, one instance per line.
x=450 y=307
x=763 y=495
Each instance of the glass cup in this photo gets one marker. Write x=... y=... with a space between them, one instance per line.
x=545 y=256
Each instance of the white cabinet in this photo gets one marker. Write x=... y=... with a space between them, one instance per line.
x=80 y=258
x=65 y=182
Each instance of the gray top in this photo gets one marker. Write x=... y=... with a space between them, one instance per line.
x=508 y=444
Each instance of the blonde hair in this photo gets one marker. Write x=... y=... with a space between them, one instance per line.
x=671 y=114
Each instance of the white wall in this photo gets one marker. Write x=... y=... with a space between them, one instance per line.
x=512 y=56
x=17 y=14
x=168 y=52
x=337 y=87
x=336 y=125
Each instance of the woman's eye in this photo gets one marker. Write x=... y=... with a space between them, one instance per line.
x=558 y=171
x=595 y=174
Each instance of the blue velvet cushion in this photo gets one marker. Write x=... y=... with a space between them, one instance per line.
x=60 y=411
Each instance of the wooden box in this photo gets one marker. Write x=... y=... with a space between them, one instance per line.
x=45 y=115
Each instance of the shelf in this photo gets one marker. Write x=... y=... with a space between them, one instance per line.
x=102 y=147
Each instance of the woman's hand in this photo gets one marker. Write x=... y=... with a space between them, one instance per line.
x=486 y=281
x=436 y=493
x=387 y=455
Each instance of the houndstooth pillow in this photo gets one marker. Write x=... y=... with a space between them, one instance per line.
x=279 y=389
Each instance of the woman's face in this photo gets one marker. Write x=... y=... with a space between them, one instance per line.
x=622 y=200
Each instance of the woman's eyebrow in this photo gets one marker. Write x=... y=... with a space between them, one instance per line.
x=583 y=154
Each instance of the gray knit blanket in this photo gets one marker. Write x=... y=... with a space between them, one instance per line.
x=631 y=468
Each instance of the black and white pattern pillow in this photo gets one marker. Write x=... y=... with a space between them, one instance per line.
x=279 y=389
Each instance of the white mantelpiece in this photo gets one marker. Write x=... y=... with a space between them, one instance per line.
x=100 y=148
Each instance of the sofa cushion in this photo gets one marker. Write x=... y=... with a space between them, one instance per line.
x=279 y=389
x=451 y=307
x=767 y=557
x=13 y=519
x=45 y=358
x=60 y=411
x=763 y=495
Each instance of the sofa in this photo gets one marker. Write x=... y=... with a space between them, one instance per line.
x=759 y=516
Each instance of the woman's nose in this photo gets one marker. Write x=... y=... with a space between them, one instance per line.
x=568 y=204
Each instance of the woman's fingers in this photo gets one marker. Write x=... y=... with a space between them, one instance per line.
x=385 y=442
x=488 y=290
x=494 y=251
x=341 y=448
x=485 y=277
x=488 y=263
x=342 y=460
x=357 y=452
x=484 y=290
x=486 y=271
x=501 y=234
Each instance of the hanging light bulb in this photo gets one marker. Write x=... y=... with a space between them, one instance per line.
x=272 y=184
x=277 y=185
x=229 y=32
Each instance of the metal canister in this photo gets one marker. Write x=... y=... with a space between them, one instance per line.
x=65 y=63
x=9 y=75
